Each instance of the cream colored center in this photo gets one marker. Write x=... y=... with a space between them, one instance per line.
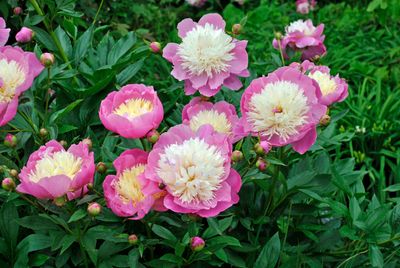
x=134 y=108
x=325 y=82
x=128 y=186
x=219 y=121
x=11 y=77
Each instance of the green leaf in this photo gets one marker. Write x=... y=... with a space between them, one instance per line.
x=79 y=214
x=8 y=227
x=121 y=48
x=163 y=232
x=223 y=241
x=67 y=241
x=37 y=223
x=269 y=255
x=29 y=244
x=82 y=45
x=393 y=188
x=355 y=209
x=125 y=75
x=375 y=256
x=63 y=112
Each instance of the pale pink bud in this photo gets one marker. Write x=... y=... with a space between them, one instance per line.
x=10 y=141
x=133 y=239
x=237 y=156
x=261 y=164
x=153 y=136
x=25 y=35
x=197 y=243
x=47 y=59
x=8 y=184
x=94 y=209
x=155 y=47
x=17 y=10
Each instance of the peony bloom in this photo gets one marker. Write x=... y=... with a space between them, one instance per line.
x=333 y=88
x=302 y=36
x=195 y=168
x=4 y=32
x=124 y=191
x=196 y=3
x=283 y=108
x=207 y=58
x=302 y=6
x=53 y=172
x=25 y=35
x=17 y=71
x=221 y=116
x=132 y=111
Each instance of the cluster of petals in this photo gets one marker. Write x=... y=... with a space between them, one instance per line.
x=196 y=3
x=132 y=111
x=53 y=172
x=207 y=58
x=302 y=36
x=24 y=35
x=221 y=116
x=123 y=192
x=4 y=32
x=195 y=168
x=304 y=6
x=17 y=71
x=283 y=108
x=333 y=88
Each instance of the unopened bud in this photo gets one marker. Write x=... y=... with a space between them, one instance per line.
x=237 y=156
x=90 y=186
x=47 y=59
x=258 y=149
x=94 y=209
x=266 y=146
x=17 y=10
x=261 y=164
x=101 y=168
x=43 y=132
x=10 y=141
x=197 y=243
x=153 y=136
x=325 y=119
x=25 y=35
x=13 y=173
x=278 y=35
x=60 y=201
x=155 y=47
x=236 y=29
x=88 y=142
x=8 y=184
x=64 y=143
x=133 y=239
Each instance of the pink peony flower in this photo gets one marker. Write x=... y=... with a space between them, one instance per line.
x=53 y=172
x=333 y=88
x=302 y=6
x=221 y=116
x=302 y=36
x=196 y=3
x=124 y=191
x=17 y=71
x=207 y=58
x=283 y=108
x=25 y=35
x=195 y=168
x=4 y=32
x=132 y=111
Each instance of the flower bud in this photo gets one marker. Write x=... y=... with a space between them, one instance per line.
x=133 y=239
x=236 y=29
x=64 y=143
x=17 y=10
x=153 y=136
x=261 y=164
x=237 y=156
x=155 y=47
x=325 y=119
x=88 y=142
x=101 y=168
x=94 y=209
x=90 y=186
x=258 y=149
x=25 y=35
x=10 y=141
x=47 y=59
x=60 y=201
x=278 y=35
x=161 y=186
x=43 y=132
x=8 y=184
x=197 y=243
x=13 y=173
x=266 y=146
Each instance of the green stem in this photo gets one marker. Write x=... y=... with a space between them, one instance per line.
x=98 y=11
x=281 y=52
x=47 y=97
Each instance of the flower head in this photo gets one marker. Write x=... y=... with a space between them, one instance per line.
x=25 y=35
x=196 y=3
x=283 y=108
x=4 y=32
x=124 y=191
x=17 y=71
x=221 y=116
x=302 y=6
x=195 y=169
x=94 y=209
x=10 y=140
x=207 y=58
x=47 y=59
x=333 y=88
x=52 y=171
x=132 y=111
x=302 y=36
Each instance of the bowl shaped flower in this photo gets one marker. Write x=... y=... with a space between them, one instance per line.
x=4 y=32
x=283 y=108
x=17 y=71
x=333 y=88
x=195 y=168
x=207 y=57
x=302 y=36
x=132 y=111
x=221 y=116
x=53 y=172
x=124 y=191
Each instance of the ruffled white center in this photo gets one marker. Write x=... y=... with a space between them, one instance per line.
x=192 y=170
x=326 y=83
x=219 y=121
x=279 y=109
x=134 y=107
x=11 y=77
x=206 y=49
x=128 y=186
x=58 y=163
x=301 y=26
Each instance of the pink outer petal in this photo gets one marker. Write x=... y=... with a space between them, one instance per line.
x=170 y=51
x=301 y=146
x=189 y=89
x=129 y=159
x=46 y=188
x=213 y=19
x=4 y=33
x=233 y=82
x=216 y=81
x=241 y=59
x=185 y=26
x=209 y=92
x=8 y=111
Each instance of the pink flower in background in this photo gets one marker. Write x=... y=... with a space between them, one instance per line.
x=333 y=88
x=124 y=191
x=132 y=111
x=17 y=71
x=302 y=36
x=221 y=116
x=196 y=3
x=283 y=108
x=302 y=6
x=4 y=32
x=25 y=35
x=207 y=58
x=53 y=172
x=195 y=168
